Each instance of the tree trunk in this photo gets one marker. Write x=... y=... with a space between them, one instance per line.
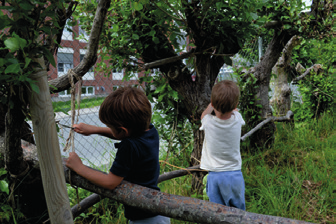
x=26 y=192
x=281 y=99
x=265 y=136
x=48 y=150
x=197 y=180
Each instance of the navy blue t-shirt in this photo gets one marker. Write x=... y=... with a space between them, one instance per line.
x=137 y=160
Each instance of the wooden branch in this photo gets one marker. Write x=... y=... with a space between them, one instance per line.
x=315 y=67
x=95 y=198
x=179 y=173
x=85 y=204
x=90 y=57
x=175 y=206
x=289 y=116
x=167 y=60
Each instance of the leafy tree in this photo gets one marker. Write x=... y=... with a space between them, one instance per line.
x=149 y=34
x=160 y=34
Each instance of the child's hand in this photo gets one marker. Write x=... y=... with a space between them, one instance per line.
x=84 y=129
x=74 y=162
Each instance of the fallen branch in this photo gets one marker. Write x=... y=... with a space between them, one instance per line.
x=289 y=116
x=175 y=206
x=95 y=198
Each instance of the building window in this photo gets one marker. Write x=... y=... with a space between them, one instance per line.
x=65 y=93
x=90 y=74
x=64 y=63
x=67 y=31
x=117 y=74
x=88 y=90
x=226 y=72
x=134 y=75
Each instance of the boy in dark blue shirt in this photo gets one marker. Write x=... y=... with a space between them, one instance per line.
x=127 y=114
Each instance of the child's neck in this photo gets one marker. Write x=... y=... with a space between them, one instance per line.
x=224 y=116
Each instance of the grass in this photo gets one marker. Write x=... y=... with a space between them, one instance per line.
x=65 y=106
x=295 y=178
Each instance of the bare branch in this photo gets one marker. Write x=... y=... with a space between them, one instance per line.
x=95 y=198
x=175 y=206
x=315 y=67
x=168 y=60
x=90 y=57
x=289 y=116
x=85 y=204
x=179 y=173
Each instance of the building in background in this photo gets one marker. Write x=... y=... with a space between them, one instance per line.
x=71 y=52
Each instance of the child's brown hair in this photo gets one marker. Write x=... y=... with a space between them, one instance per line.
x=127 y=107
x=225 y=96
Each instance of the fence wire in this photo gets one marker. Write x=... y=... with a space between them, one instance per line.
x=95 y=150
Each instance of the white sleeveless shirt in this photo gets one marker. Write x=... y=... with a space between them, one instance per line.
x=221 y=146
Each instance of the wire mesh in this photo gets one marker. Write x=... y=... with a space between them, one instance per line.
x=94 y=150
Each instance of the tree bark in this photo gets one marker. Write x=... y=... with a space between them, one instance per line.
x=174 y=206
x=281 y=98
x=48 y=150
x=264 y=137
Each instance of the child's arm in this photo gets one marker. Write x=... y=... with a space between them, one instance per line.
x=108 y=181
x=208 y=110
x=87 y=129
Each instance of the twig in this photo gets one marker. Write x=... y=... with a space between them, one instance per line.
x=289 y=116
x=167 y=60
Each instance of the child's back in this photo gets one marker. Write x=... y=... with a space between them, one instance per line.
x=221 y=146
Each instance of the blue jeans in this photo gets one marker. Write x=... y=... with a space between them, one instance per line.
x=226 y=188
x=153 y=220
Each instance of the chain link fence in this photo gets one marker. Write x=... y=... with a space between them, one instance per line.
x=95 y=150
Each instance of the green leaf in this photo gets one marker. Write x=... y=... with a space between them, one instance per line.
x=27 y=62
x=2 y=62
x=34 y=87
x=254 y=15
x=13 y=68
x=4 y=186
x=135 y=36
x=2 y=171
x=138 y=6
x=49 y=56
x=115 y=28
x=14 y=43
